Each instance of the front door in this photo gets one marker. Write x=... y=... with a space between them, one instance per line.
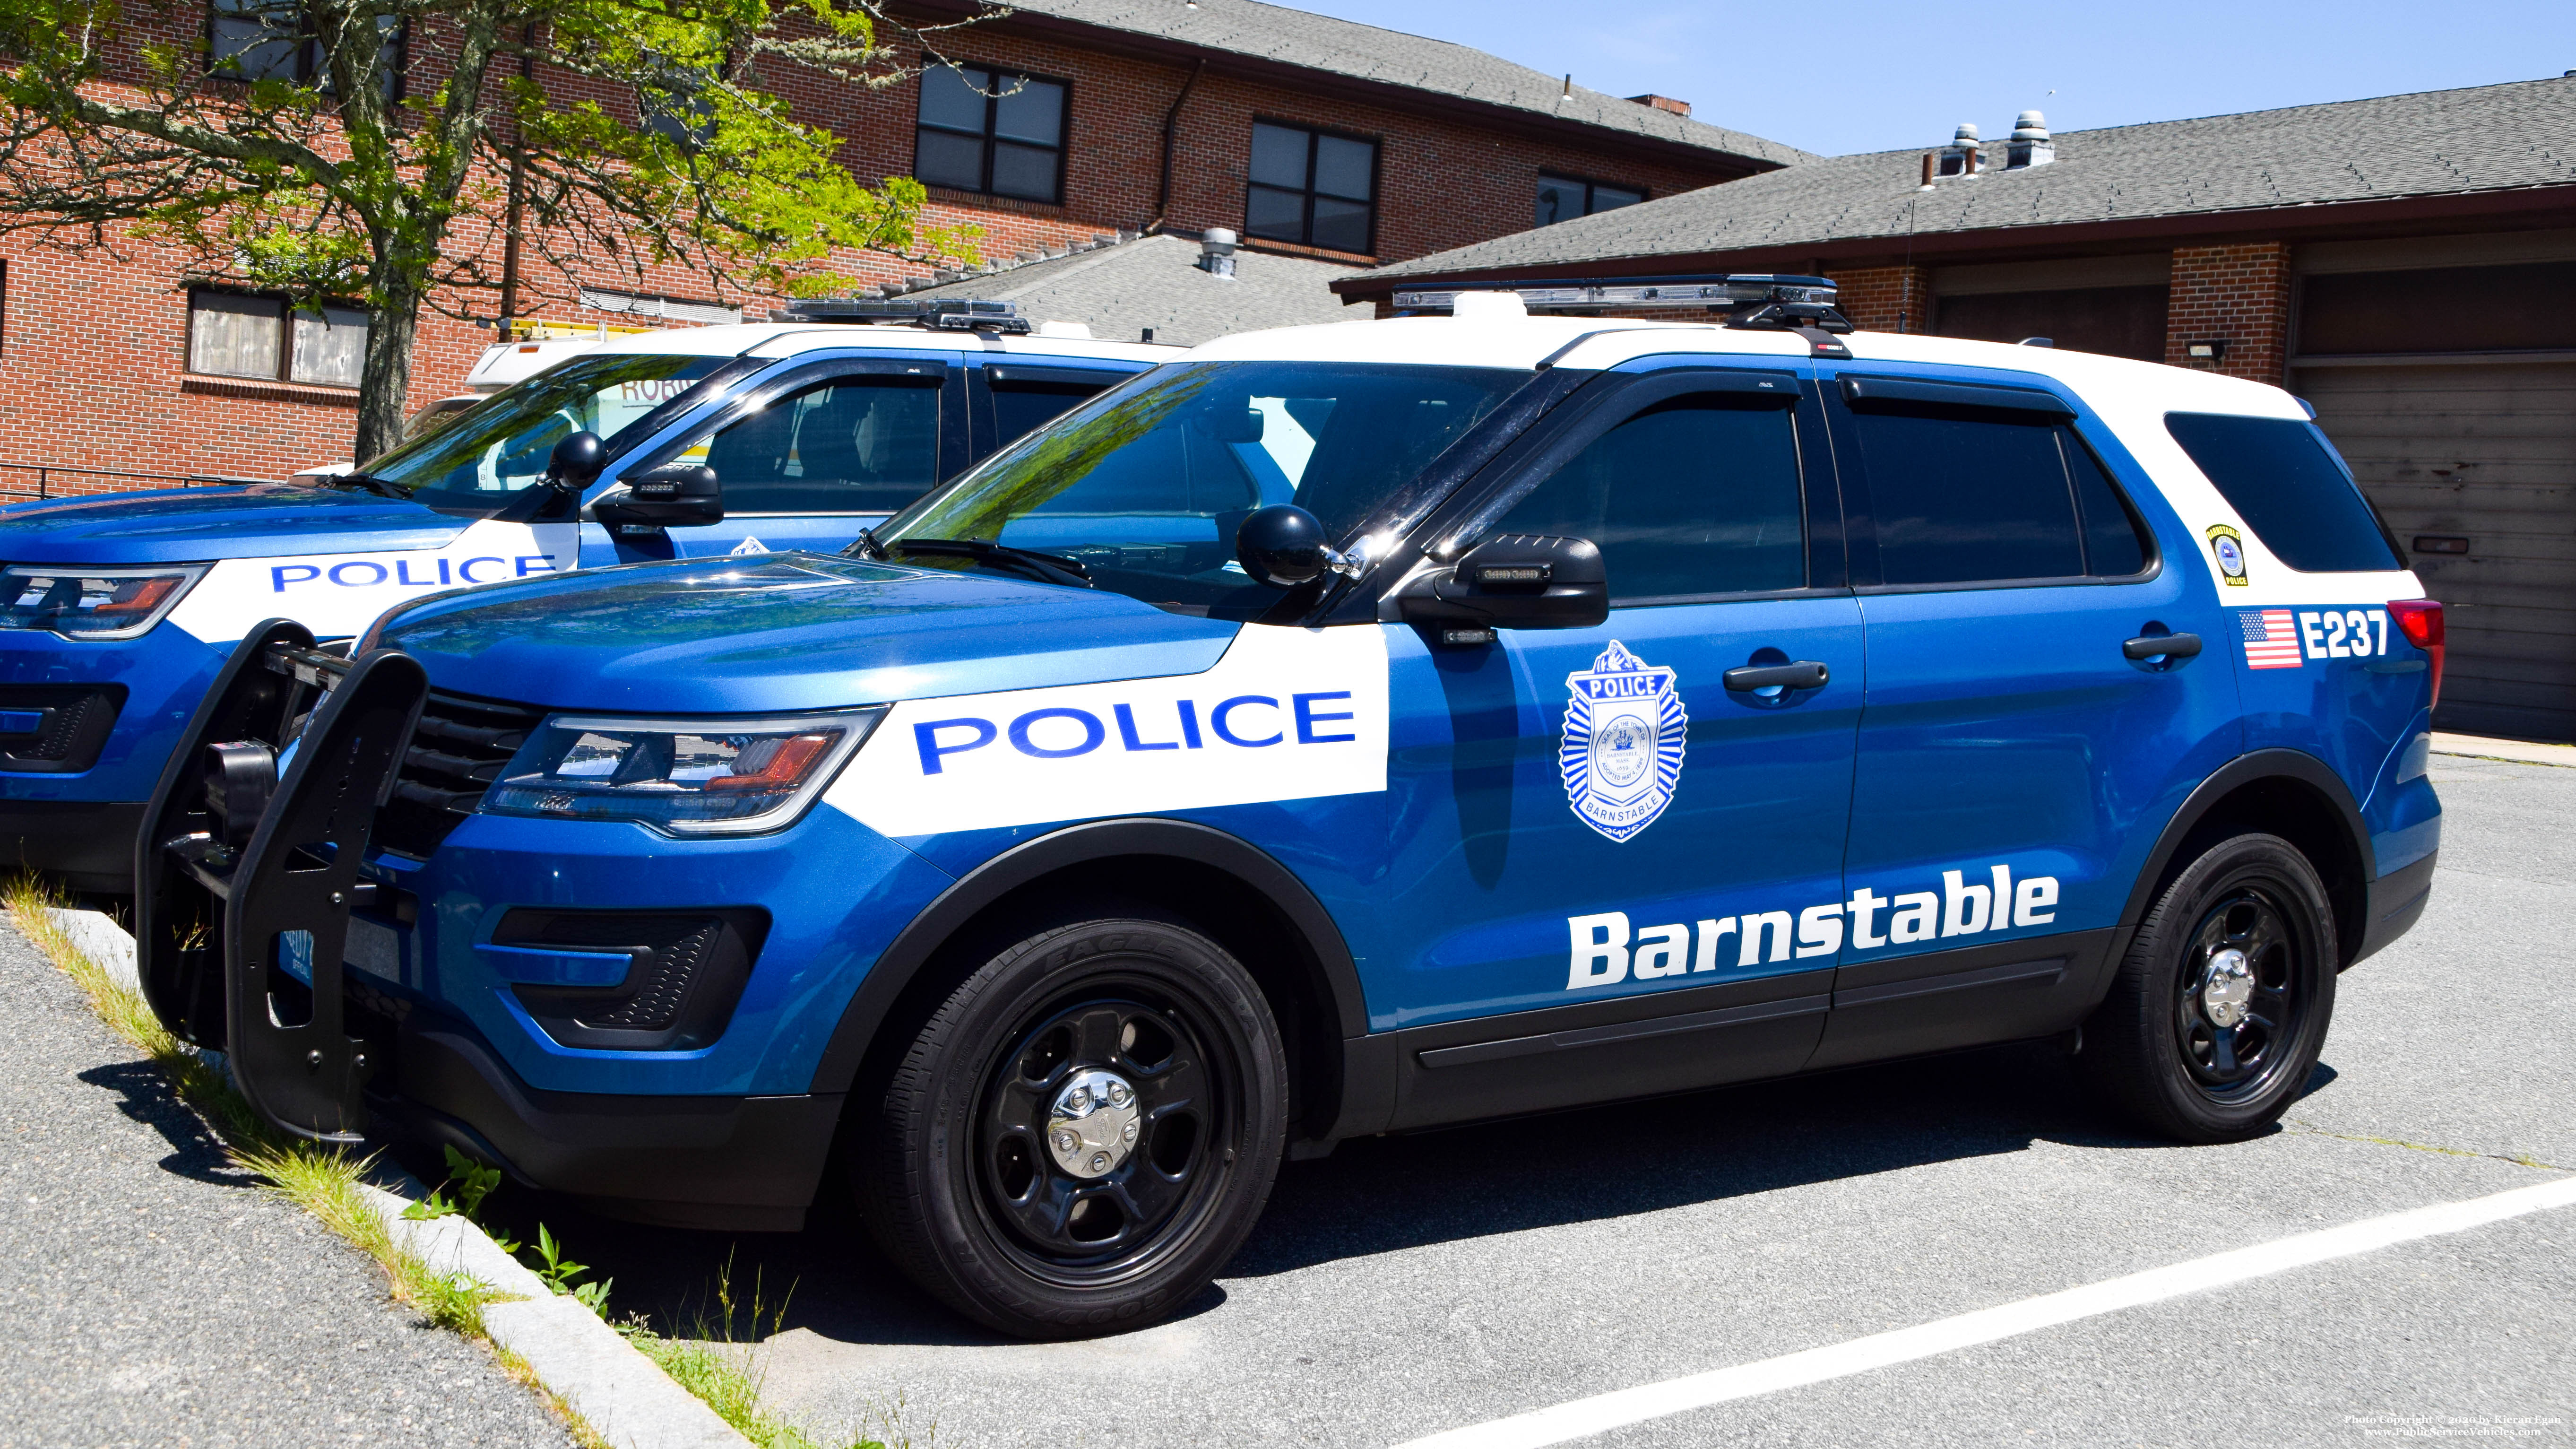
x=2015 y=763
x=1612 y=860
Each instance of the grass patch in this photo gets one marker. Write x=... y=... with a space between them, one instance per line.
x=2518 y=1159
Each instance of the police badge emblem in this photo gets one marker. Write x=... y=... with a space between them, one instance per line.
x=1621 y=754
x=2228 y=547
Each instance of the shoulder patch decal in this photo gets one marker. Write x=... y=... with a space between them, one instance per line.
x=2227 y=546
x=1625 y=731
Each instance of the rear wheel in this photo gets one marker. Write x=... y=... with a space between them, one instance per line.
x=1082 y=1133
x=2219 y=1011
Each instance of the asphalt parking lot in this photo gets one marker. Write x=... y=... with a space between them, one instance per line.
x=1407 y=1286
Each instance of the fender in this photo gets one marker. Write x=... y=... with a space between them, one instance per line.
x=2273 y=764
x=1099 y=840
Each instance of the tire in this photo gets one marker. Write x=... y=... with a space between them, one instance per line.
x=1147 y=1044
x=2187 y=1046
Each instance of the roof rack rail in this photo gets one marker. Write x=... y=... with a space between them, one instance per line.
x=1763 y=301
x=946 y=314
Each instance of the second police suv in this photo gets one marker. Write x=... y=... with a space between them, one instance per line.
x=116 y=611
x=1340 y=730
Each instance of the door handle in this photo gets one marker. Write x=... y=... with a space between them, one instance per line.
x=1804 y=674
x=2171 y=646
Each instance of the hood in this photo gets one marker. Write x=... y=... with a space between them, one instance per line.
x=791 y=631
x=194 y=525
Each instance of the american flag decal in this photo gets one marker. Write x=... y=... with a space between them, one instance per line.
x=2271 y=639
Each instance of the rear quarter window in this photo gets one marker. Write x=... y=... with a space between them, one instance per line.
x=2282 y=478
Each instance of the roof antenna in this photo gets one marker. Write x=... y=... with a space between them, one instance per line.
x=1569 y=88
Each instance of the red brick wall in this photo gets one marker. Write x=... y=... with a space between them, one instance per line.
x=93 y=350
x=1885 y=299
x=2240 y=294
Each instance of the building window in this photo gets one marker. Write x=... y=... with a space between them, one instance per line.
x=1312 y=188
x=270 y=40
x=247 y=334
x=1563 y=198
x=993 y=131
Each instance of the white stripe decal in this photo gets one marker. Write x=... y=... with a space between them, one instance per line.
x=1602 y=1413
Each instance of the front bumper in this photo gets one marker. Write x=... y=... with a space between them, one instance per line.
x=88 y=845
x=431 y=1019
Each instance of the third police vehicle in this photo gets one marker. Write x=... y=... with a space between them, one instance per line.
x=116 y=611
x=1340 y=730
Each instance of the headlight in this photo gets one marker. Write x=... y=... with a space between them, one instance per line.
x=682 y=777
x=80 y=603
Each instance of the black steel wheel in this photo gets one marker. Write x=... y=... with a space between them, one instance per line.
x=1083 y=1132
x=2218 y=1012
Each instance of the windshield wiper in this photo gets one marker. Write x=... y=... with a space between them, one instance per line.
x=381 y=487
x=1054 y=568
x=867 y=547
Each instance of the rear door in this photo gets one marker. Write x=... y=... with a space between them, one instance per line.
x=2014 y=764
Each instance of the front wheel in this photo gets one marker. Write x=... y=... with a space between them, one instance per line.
x=2219 y=1010
x=1082 y=1133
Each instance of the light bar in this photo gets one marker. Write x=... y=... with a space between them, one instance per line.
x=951 y=314
x=1727 y=293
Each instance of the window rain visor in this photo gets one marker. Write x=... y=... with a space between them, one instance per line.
x=92 y=603
x=503 y=445
x=1146 y=484
x=680 y=777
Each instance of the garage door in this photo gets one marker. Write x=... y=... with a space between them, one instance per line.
x=2486 y=453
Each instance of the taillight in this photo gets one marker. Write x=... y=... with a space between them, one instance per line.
x=2420 y=620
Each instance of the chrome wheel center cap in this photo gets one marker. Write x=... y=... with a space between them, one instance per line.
x=1093 y=1124
x=2227 y=988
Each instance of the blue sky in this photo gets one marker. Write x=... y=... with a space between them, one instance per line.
x=1870 y=76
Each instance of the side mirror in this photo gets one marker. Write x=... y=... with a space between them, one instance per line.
x=1517 y=581
x=1282 y=546
x=688 y=496
x=576 y=461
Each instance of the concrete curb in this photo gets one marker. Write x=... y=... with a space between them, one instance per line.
x=2520 y=752
x=625 y=1397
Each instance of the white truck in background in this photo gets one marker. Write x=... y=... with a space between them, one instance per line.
x=526 y=349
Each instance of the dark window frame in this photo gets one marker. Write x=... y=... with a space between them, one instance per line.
x=989 y=137
x=1590 y=185
x=308 y=68
x=287 y=312
x=1308 y=193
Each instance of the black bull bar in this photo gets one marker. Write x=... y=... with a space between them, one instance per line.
x=235 y=860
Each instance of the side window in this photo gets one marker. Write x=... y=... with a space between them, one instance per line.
x=1024 y=407
x=1960 y=495
x=2282 y=479
x=1695 y=495
x=849 y=445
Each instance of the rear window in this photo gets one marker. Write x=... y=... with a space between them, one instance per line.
x=2282 y=479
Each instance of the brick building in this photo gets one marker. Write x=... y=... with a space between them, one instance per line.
x=2407 y=264
x=1063 y=123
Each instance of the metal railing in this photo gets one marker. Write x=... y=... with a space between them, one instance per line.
x=12 y=478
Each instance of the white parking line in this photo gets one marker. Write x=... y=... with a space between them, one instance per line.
x=1605 y=1412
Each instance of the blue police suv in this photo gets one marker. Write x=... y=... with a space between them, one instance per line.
x=115 y=612
x=1338 y=730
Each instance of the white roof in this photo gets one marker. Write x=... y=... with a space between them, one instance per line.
x=786 y=339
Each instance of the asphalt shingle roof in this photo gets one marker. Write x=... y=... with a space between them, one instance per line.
x=1391 y=57
x=2521 y=134
x=1117 y=291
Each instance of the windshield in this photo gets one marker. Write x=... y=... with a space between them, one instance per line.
x=1145 y=485
x=501 y=446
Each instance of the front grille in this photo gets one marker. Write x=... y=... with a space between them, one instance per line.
x=56 y=729
x=455 y=755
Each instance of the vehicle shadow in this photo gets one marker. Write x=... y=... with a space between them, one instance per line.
x=143 y=1093
x=1379 y=1195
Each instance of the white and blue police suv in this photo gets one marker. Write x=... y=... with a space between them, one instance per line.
x=116 y=611
x=1340 y=730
